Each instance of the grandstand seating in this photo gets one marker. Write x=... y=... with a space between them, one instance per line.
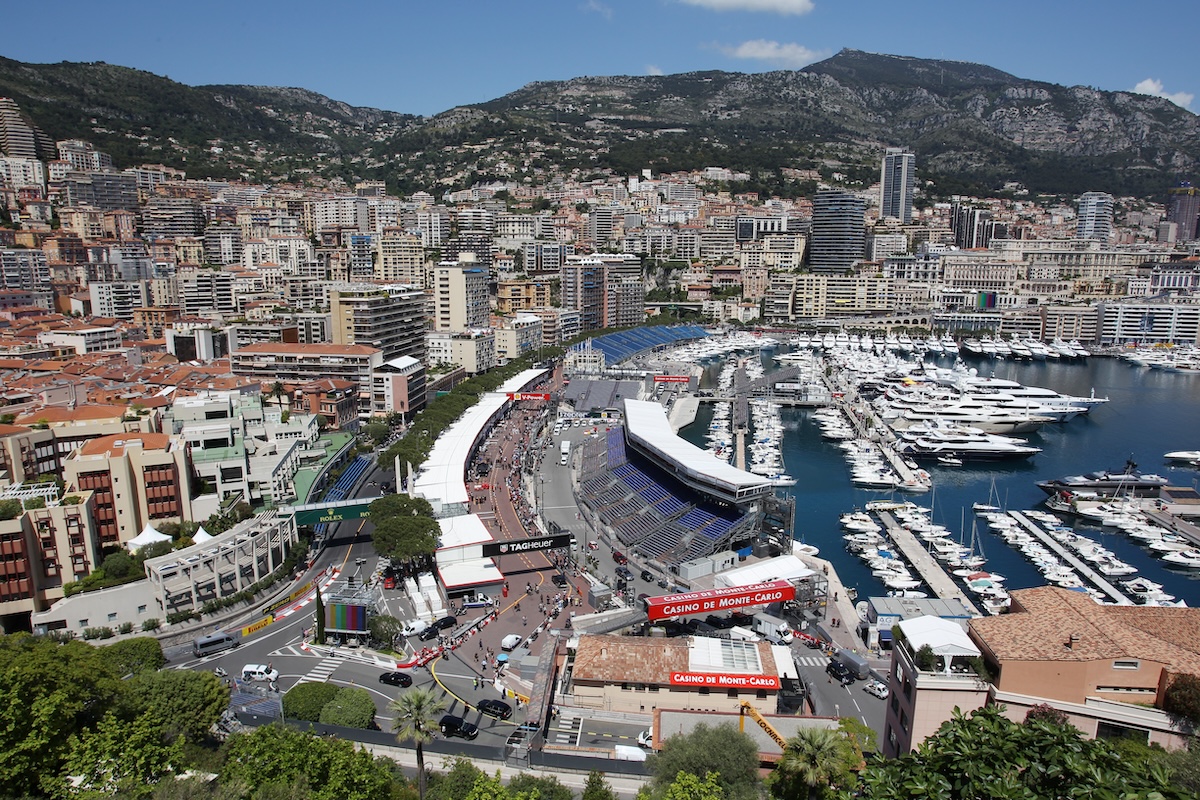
x=625 y=344
x=649 y=511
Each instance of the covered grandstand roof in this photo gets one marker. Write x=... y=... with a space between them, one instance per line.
x=588 y=395
x=647 y=425
x=626 y=344
x=442 y=476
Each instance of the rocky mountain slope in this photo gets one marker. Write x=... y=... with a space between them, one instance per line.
x=973 y=127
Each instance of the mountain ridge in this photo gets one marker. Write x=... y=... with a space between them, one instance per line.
x=973 y=127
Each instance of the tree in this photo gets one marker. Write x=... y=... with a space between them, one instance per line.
x=597 y=788
x=687 y=786
x=417 y=714
x=134 y=656
x=188 y=702
x=350 y=708
x=815 y=763
x=455 y=782
x=304 y=701
x=987 y=755
x=722 y=749
x=378 y=431
x=49 y=692
x=1181 y=701
x=384 y=628
x=542 y=787
x=122 y=758
x=333 y=769
x=404 y=527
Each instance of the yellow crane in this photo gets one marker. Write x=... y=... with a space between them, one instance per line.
x=746 y=708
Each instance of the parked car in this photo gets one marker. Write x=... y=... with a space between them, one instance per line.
x=646 y=738
x=401 y=679
x=495 y=708
x=647 y=576
x=625 y=572
x=839 y=672
x=259 y=672
x=451 y=725
x=877 y=688
x=445 y=623
x=389 y=582
x=559 y=580
x=429 y=634
x=510 y=642
x=620 y=557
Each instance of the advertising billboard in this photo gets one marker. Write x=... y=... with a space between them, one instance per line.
x=345 y=618
x=672 y=378
x=723 y=680
x=713 y=600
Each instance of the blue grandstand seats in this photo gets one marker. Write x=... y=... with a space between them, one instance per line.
x=625 y=344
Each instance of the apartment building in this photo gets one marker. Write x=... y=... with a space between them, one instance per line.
x=795 y=297
x=401 y=258
x=389 y=318
x=513 y=296
x=138 y=479
x=24 y=269
x=460 y=295
x=473 y=350
x=1162 y=320
x=43 y=549
x=398 y=387
x=302 y=363
x=518 y=336
x=606 y=289
x=209 y=294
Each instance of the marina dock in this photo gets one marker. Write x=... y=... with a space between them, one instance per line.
x=1077 y=564
x=940 y=583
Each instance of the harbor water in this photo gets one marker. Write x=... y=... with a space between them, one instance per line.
x=1149 y=413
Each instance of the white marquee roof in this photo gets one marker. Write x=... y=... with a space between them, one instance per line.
x=946 y=638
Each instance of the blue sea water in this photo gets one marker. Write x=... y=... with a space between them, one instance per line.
x=1149 y=413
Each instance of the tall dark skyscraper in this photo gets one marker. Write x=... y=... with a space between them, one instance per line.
x=1183 y=208
x=896 y=180
x=838 y=233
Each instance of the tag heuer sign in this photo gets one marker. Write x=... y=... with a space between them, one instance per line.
x=528 y=545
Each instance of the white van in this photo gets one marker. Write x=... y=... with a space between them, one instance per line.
x=413 y=627
x=213 y=643
x=510 y=642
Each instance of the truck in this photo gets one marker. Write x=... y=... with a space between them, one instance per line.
x=857 y=665
x=773 y=629
x=737 y=632
x=565 y=453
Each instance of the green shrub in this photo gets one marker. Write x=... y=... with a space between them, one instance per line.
x=304 y=701
x=10 y=509
x=350 y=708
x=151 y=624
x=126 y=627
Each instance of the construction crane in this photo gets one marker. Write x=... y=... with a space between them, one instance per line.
x=746 y=708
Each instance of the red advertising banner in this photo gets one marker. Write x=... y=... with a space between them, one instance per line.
x=721 y=680
x=528 y=396
x=672 y=378
x=710 y=600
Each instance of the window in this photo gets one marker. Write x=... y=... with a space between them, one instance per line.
x=112 y=617
x=83 y=623
x=1126 y=663
x=141 y=609
x=732 y=693
x=904 y=721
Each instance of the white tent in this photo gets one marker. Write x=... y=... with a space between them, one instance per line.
x=201 y=536
x=147 y=536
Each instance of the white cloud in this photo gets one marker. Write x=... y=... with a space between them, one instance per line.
x=788 y=55
x=773 y=6
x=597 y=7
x=653 y=69
x=1154 y=87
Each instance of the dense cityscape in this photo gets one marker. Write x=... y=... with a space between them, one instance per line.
x=304 y=483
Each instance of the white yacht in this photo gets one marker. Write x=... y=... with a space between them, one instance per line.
x=977 y=447
x=1184 y=558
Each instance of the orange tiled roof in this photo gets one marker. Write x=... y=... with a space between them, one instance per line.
x=115 y=444
x=1042 y=622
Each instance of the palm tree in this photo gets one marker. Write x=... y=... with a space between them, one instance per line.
x=417 y=713
x=813 y=759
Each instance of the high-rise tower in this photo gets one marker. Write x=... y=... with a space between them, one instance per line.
x=1095 y=220
x=896 y=181
x=838 y=235
x=1183 y=209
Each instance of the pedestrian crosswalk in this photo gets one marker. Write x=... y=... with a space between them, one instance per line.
x=321 y=672
x=566 y=730
x=811 y=661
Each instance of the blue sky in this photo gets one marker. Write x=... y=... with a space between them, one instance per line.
x=426 y=57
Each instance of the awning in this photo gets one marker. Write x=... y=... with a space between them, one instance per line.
x=885 y=635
